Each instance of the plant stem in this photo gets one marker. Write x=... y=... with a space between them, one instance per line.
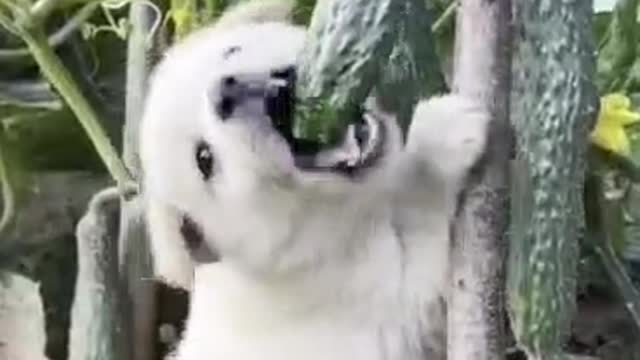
x=475 y=306
x=5 y=20
x=59 y=36
x=42 y=8
x=447 y=15
x=55 y=71
x=616 y=271
x=8 y=195
x=134 y=255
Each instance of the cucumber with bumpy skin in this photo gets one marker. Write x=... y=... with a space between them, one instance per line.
x=347 y=40
x=554 y=107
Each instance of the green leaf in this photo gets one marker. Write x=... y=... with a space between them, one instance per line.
x=618 y=51
x=601 y=22
x=413 y=70
x=632 y=81
x=303 y=11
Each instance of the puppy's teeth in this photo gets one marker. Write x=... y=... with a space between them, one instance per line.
x=278 y=82
x=353 y=147
x=373 y=128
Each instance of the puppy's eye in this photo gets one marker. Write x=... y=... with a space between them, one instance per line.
x=204 y=160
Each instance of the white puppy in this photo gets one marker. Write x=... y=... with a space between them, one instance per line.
x=334 y=254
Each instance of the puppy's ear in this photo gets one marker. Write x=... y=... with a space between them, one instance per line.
x=257 y=11
x=172 y=261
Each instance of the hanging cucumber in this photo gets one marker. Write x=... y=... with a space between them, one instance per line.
x=347 y=41
x=554 y=107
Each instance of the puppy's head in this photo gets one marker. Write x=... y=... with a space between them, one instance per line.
x=221 y=165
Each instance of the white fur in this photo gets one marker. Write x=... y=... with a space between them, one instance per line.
x=312 y=267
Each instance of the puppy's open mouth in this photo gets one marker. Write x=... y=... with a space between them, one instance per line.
x=361 y=147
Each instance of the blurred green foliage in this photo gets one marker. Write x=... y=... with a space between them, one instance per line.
x=617 y=34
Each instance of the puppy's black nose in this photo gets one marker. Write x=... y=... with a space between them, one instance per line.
x=254 y=96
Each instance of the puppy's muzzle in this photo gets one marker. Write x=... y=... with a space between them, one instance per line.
x=272 y=98
x=253 y=96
